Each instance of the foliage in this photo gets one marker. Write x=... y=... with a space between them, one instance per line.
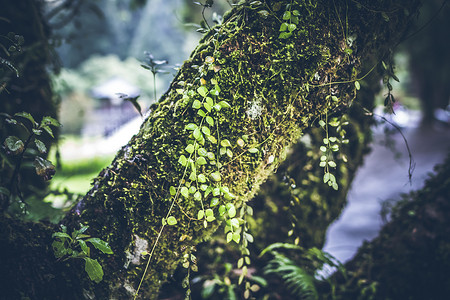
x=75 y=245
x=15 y=152
x=10 y=45
x=303 y=276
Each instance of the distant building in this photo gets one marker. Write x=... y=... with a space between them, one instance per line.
x=111 y=111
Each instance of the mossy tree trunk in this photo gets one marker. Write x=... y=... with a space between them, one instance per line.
x=235 y=108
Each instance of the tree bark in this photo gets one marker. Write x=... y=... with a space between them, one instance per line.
x=274 y=90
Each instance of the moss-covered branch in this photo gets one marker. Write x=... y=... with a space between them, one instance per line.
x=268 y=89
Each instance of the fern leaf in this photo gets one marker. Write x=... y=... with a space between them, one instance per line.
x=297 y=280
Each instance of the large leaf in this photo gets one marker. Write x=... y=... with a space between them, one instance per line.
x=41 y=146
x=100 y=245
x=26 y=116
x=14 y=144
x=94 y=270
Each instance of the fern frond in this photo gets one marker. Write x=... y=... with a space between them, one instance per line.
x=297 y=280
x=280 y=245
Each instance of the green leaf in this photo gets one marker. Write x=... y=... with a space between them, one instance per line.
x=284 y=26
x=229 y=153
x=26 y=116
x=48 y=130
x=210 y=155
x=240 y=262
x=192 y=189
x=253 y=150
x=286 y=15
x=61 y=235
x=201 y=178
x=240 y=142
x=209 y=120
x=216 y=176
x=322 y=123
x=37 y=131
x=326 y=177
x=207 y=107
x=14 y=144
x=193 y=176
x=201 y=161
x=198 y=196
x=82 y=229
x=196 y=104
x=323 y=148
x=206 y=130
x=249 y=237
x=322 y=164
x=229 y=237
x=231 y=210
x=334 y=98
x=203 y=91
x=84 y=247
x=224 y=104
x=285 y=35
x=200 y=214
x=216 y=191
x=214 y=202
x=332 y=178
x=202 y=152
x=212 y=139
x=197 y=134
x=94 y=270
x=100 y=245
x=292 y=27
x=40 y=146
x=234 y=223
x=50 y=121
x=357 y=85
x=190 y=148
x=217 y=107
x=183 y=160
x=171 y=220
x=236 y=237
x=209 y=101
x=184 y=191
x=332 y=164
x=201 y=113
x=173 y=191
x=225 y=143
x=191 y=126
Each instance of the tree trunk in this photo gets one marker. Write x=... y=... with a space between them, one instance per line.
x=235 y=109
